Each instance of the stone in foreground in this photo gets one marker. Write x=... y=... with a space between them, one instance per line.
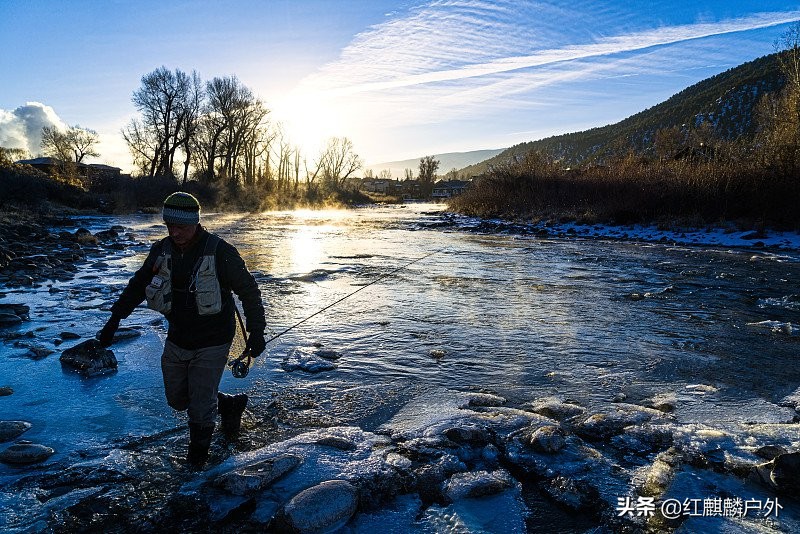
x=12 y=429
x=89 y=358
x=321 y=508
x=25 y=452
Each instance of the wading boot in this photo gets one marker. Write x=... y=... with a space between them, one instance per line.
x=199 y=443
x=231 y=408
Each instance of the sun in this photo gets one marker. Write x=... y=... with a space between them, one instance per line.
x=309 y=119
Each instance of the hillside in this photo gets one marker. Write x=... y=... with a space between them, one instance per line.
x=448 y=161
x=725 y=101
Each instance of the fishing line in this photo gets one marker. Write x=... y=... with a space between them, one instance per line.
x=276 y=336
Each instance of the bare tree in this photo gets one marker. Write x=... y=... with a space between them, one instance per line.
x=164 y=99
x=71 y=145
x=233 y=130
x=409 y=174
x=337 y=162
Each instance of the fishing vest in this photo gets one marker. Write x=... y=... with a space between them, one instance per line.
x=204 y=282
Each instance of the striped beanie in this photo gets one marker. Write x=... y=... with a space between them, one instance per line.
x=181 y=208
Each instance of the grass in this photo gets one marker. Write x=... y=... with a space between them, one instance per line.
x=636 y=190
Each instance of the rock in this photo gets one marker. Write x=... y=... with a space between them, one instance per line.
x=343 y=444
x=37 y=352
x=485 y=399
x=258 y=476
x=9 y=319
x=769 y=452
x=68 y=336
x=303 y=361
x=5 y=391
x=577 y=495
x=12 y=429
x=25 y=452
x=328 y=354
x=89 y=358
x=556 y=409
x=477 y=484
x=467 y=434
x=786 y=473
x=548 y=439
x=321 y=508
x=601 y=426
x=85 y=237
x=20 y=310
x=107 y=235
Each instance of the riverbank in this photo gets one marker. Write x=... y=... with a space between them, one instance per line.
x=721 y=235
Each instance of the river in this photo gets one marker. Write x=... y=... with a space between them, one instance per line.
x=593 y=321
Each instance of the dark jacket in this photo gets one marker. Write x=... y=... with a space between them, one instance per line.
x=188 y=329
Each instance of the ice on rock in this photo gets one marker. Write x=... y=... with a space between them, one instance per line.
x=321 y=508
x=478 y=484
x=502 y=513
x=557 y=409
x=300 y=360
x=258 y=476
x=777 y=327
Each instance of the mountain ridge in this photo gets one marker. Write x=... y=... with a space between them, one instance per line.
x=725 y=101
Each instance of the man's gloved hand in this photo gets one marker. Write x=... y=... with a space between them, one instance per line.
x=106 y=335
x=256 y=344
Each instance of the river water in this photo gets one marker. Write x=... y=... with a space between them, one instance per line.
x=524 y=317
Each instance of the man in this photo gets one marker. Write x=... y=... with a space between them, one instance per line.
x=188 y=276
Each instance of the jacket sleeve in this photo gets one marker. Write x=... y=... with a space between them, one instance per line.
x=133 y=294
x=236 y=276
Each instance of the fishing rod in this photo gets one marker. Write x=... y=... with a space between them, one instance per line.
x=241 y=365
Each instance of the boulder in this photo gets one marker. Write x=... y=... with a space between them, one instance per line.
x=548 y=439
x=20 y=310
x=5 y=391
x=89 y=358
x=11 y=429
x=343 y=444
x=320 y=508
x=477 y=484
x=469 y=434
x=303 y=361
x=484 y=399
x=9 y=319
x=25 y=452
x=786 y=473
x=258 y=476
x=556 y=409
x=37 y=352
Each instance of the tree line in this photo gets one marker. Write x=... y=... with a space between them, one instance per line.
x=219 y=132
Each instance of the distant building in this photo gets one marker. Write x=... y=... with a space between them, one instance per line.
x=54 y=165
x=452 y=188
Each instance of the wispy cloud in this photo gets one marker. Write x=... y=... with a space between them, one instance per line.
x=457 y=42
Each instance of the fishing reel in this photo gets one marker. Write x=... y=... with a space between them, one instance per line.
x=241 y=365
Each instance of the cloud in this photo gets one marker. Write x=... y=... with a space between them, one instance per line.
x=456 y=58
x=22 y=127
x=453 y=41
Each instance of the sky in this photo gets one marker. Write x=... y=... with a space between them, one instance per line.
x=400 y=79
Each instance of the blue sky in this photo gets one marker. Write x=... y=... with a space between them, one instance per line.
x=400 y=79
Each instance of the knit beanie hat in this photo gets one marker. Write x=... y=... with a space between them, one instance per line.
x=181 y=208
